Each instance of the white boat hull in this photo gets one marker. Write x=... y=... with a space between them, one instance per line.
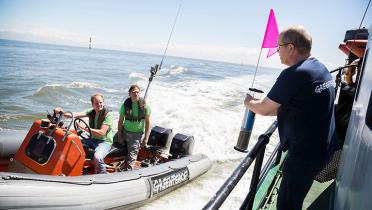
x=101 y=191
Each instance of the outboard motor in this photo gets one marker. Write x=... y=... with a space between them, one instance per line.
x=160 y=137
x=182 y=145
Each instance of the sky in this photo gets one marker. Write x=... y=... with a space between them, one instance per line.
x=229 y=31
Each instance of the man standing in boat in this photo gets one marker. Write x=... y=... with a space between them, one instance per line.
x=134 y=121
x=302 y=98
x=100 y=123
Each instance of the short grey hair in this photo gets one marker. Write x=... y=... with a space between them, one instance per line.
x=299 y=37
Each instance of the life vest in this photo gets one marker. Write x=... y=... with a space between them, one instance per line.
x=128 y=110
x=101 y=117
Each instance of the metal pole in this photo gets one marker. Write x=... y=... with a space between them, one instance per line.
x=220 y=196
x=255 y=72
x=248 y=201
x=278 y=155
x=248 y=120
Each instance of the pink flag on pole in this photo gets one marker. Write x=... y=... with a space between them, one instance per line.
x=271 y=35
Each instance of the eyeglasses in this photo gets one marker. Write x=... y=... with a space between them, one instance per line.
x=280 y=45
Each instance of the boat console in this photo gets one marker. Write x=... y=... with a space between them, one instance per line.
x=51 y=149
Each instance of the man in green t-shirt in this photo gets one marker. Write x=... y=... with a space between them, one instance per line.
x=100 y=123
x=134 y=121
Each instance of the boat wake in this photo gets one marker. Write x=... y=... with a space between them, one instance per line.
x=138 y=76
x=174 y=70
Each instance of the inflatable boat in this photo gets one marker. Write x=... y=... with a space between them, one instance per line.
x=51 y=169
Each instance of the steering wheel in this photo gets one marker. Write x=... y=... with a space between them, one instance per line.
x=80 y=132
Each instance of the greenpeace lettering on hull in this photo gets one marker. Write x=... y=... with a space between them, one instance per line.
x=163 y=182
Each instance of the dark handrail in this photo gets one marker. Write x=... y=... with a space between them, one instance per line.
x=248 y=201
x=258 y=150
x=343 y=67
x=275 y=154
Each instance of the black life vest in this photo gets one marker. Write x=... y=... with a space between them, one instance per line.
x=128 y=110
x=101 y=117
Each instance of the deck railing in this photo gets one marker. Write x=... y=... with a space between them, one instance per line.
x=257 y=153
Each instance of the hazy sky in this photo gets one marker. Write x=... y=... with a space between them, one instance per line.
x=229 y=31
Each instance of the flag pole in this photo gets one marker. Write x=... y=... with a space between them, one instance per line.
x=255 y=72
x=248 y=119
x=269 y=41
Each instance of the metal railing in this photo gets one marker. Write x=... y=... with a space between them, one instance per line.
x=257 y=153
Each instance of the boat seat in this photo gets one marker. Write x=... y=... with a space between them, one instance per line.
x=116 y=150
x=159 y=139
x=89 y=152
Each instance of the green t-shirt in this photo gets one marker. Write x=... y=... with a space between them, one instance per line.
x=108 y=121
x=134 y=126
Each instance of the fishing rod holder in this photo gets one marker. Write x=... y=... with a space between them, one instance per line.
x=153 y=71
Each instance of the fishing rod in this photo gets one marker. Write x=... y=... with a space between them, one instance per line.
x=156 y=68
x=365 y=12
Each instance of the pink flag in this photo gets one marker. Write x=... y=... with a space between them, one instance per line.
x=271 y=35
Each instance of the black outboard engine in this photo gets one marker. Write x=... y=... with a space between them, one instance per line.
x=160 y=138
x=182 y=145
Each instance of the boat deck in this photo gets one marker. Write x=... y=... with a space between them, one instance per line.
x=320 y=195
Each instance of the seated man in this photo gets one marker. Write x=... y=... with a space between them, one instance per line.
x=100 y=123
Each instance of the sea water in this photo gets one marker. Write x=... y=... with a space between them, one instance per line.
x=194 y=97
